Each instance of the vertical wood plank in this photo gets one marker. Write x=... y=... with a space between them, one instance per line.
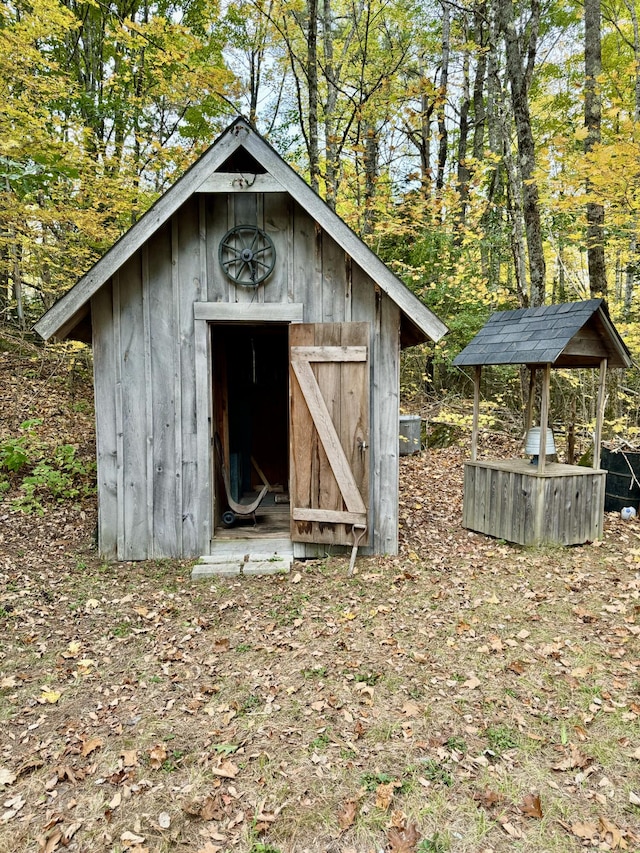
x=544 y=416
x=355 y=434
x=364 y=301
x=117 y=336
x=534 y=499
x=550 y=516
x=476 y=412
x=201 y=290
x=303 y=442
x=218 y=285
x=148 y=401
x=348 y=294
x=277 y=221
x=220 y=420
x=334 y=285
x=200 y=507
x=468 y=488
x=162 y=472
x=598 y=506
x=386 y=435
x=245 y=212
x=486 y=500
x=291 y=269
x=190 y=284
x=574 y=520
x=104 y=379
x=328 y=376
x=227 y=284
x=597 y=438
x=504 y=501
x=203 y=409
x=179 y=273
x=306 y=266
x=133 y=410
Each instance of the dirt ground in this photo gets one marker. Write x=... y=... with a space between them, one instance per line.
x=467 y=695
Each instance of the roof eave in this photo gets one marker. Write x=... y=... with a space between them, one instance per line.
x=620 y=348
x=348 y=240
x=57 y=317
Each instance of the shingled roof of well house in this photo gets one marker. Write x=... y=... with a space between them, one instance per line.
x=540 y=336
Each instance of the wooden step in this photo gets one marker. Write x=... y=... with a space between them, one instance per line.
x=234 y=557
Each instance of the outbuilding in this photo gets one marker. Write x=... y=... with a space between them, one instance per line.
x=246 y=348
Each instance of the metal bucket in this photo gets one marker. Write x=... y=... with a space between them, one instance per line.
x=532 y=447
x=410 y=426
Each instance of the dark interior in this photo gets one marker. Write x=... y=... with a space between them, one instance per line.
x=251 y=404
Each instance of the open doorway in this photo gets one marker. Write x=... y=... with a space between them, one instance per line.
x=250 y=429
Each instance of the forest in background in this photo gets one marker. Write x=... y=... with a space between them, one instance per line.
x=487 y=151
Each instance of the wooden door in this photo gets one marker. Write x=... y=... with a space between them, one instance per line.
x=329 y=471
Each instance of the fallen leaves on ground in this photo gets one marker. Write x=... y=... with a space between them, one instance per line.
x=317 y=711
x=403 y=840
x=531 y=806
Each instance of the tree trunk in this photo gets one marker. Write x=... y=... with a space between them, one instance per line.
x=520 y=66
x=493 y=118
x=332 y=169
x=312 y=77
x=632 y=263
x=16 y=274
x=515 y=202
x=370 y=178
x=442 y=95
x=421 y=137
x=479 y=110
x=592 y=120
x=464 y=172
x=630 y=277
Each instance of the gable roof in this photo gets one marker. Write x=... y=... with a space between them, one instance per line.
x=572 y=334
x=419 y=323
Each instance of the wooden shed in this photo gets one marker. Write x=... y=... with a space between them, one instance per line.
x=241 y=328
x=544 y=502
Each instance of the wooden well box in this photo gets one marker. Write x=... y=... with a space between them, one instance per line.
x=546 y=502
x=512 y=500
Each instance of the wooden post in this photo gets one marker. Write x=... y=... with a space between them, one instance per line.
x=528 y=415
x=528 y=418
x=597 y=436
x=544 y=415
x=476 y=413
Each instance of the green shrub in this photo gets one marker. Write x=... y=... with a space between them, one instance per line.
x=18 y=452
x=46 y=474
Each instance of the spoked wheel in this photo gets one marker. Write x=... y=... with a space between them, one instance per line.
x=247 y=255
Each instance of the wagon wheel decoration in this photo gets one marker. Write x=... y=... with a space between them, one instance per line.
x=247 y=255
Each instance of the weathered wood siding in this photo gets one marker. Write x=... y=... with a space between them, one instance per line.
x=152 y=362
x=511 y=500
x=144 y=366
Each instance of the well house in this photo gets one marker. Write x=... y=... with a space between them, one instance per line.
x=541 y=503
